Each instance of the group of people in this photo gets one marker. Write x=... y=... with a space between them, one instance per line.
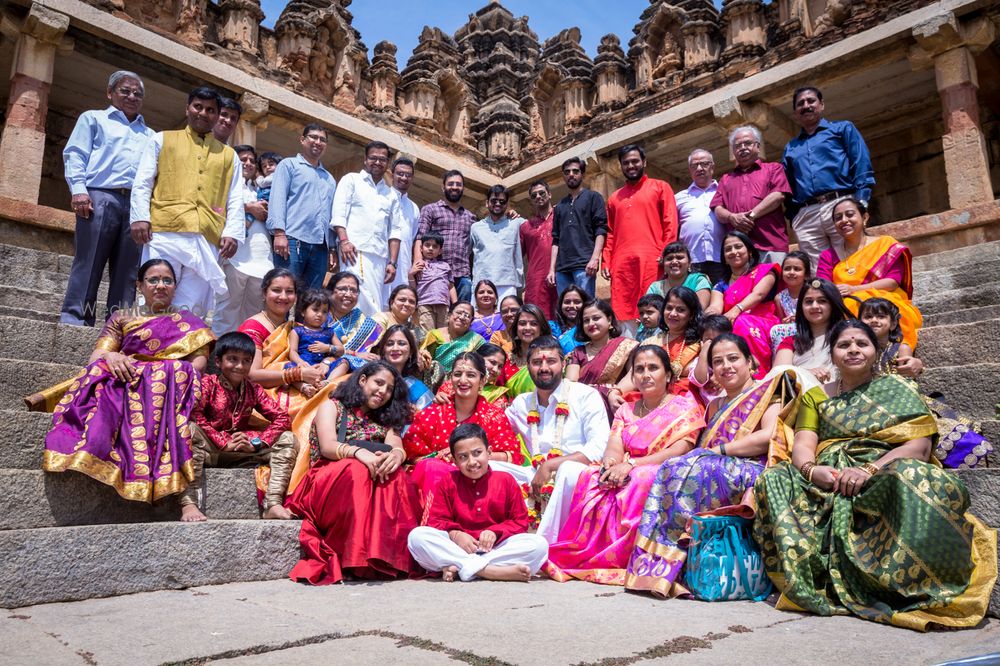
x=437 y=405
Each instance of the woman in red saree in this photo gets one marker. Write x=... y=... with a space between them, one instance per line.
x=873 y=266
x=601 y=360
x=124 y=420
x=357 y=506
x=426 y=440
x=747 y=297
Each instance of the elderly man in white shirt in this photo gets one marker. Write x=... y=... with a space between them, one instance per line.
x=367 y=222
x=558 y=416
x=402 y=177
x=187 y=204
x=699 y=229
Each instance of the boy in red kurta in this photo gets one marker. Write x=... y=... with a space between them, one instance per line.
x=221 y=434
x=642 y=219
x=476 y=523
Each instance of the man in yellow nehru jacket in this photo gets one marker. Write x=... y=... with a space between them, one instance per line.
x=187 y=204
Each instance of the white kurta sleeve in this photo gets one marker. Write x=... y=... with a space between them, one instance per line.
x=594 y=421
x=145 y=178
x=235 y=227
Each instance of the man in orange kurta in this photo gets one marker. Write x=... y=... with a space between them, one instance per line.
x=642 y=219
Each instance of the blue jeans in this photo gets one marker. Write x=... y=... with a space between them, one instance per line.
x=308 y=261
x=463 y=286
x=579 y=277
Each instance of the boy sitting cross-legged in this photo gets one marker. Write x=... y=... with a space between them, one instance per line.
x=476 y=519
x=221 y=433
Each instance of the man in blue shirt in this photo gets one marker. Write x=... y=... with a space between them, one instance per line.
x=100 y=160
x=826 y=161
x=300 y=209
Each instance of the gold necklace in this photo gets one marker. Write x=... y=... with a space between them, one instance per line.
x=642 y=403
x=851 y=270
x=267 y=315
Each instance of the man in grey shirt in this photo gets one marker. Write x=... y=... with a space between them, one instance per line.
x=496 y=246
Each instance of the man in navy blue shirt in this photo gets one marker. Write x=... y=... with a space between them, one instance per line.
x=826 y=161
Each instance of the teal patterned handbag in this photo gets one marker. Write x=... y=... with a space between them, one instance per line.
x=723 y=562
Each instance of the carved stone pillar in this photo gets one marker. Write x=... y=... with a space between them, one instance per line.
x=253 y=118
x=746 y=28
x=576 y=97
x=385 y=78
x=700 y=47
x=610 y=69
x=419 y=102
x=23 y=142
x=948 y=46
x=240 y=24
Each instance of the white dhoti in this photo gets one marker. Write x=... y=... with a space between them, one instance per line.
x=370 y=269
x=196 y=264
x=434 y=550
x=243 y=300
x=557 y=509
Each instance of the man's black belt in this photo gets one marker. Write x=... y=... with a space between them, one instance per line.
x=828 y=196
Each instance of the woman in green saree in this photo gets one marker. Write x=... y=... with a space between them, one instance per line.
x=443 y=345
x=862 y=521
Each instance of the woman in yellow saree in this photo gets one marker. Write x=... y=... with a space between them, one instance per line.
x=862 y=521
x=872 y=266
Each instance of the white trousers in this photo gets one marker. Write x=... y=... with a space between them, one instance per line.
x=815 y=233
x=243 y=301
x=434 y=550
x=196 y=263
x=370 y=270
x=557 y=510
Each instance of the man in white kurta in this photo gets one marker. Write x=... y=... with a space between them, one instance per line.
x=194 y=258
x=366 y=219
x=409 y=216
x=580 y=436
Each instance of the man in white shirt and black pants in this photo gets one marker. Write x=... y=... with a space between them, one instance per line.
x=367 y=220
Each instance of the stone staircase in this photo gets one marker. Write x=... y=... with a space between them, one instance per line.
x=65 y=537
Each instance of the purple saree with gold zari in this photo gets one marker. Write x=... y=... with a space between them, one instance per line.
x=135 y=437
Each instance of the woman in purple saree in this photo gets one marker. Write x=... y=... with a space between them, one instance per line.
x=124 y=419
x=747 y=298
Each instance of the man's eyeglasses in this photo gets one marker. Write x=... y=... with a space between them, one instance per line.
x=377 y=159
x=702 y=165
x=129 y=92
x=156 y=282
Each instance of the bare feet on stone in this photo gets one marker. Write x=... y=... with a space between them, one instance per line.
x=191 y=514
x=448 y=574
x=278 y=512
x=515 y=572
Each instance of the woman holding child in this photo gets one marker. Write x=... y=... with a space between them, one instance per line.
x=124 y=420
x=597 y=539
x=861 y=521
x=357 y=504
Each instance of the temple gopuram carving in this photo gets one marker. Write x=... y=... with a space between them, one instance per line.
x=504 y=104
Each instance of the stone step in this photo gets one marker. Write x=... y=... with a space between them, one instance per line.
x=966 y=316
x=26 y=313
x=40 y=499
x=22 y=438
x=952 y=300
x=42 y=291
x=973 y=390
x=72 y=563
x=19 y=378
x=952 y=277
x=960 y=259
x=40 y=260
x=960 y=344
x=30 y=340
x=984 y=493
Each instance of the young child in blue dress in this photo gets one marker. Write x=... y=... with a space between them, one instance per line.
x=312 y=341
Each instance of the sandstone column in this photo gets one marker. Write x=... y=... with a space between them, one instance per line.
x=948 y=46
x=253 y=118
x=23 y=141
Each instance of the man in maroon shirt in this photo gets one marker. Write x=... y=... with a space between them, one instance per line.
x=750 y=198
x=536 y=241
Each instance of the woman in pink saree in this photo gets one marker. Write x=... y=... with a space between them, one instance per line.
x=747 y=297
x=598 y=537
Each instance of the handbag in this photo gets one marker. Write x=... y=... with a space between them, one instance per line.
x=723 y=562
x=368 y=445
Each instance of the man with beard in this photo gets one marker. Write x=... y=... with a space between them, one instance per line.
x=579 y=228
x=402 y=178
x=496 y=246
x=750 y=198
x=828 y=160
x=187 y=204
x=642 y=219
x=367 y=222
x=450 y=219
x=564 y=425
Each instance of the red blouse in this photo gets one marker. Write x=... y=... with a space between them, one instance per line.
x=223 y=411
x=492 y=502
x=433 y=425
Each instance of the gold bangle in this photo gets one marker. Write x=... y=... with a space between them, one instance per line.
x=870 y=468
x=809 y=478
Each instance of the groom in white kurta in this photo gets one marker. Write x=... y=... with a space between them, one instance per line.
x=581 y=435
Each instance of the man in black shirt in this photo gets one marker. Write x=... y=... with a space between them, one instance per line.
x=579 y=227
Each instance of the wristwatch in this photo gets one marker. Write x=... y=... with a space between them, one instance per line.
x=751 y=215
x=257 y=443
x=393 y=264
